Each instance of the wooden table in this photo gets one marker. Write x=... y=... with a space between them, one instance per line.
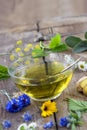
x=65 y=26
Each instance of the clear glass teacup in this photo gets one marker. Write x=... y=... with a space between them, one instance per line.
x=42 y=79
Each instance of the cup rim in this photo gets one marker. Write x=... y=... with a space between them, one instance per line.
x=16 y=77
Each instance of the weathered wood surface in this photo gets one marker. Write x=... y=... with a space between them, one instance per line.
x=20 y=12
x=7 y=40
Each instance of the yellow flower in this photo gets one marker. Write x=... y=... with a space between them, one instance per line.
x=37 y=46
x=27 y=62
x=21 y=54
x=48 y=108
x=26 y=49
x=19 y=42
x=36 y=60
x=12 y=57
x=33 y=54
x=18 y=49
x=29 y=45
x=16 y=64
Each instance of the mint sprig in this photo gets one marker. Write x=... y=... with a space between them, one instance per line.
x=55 y=45
x=55 y=41
x=75 y=119
x=77 y=44
x=76 y=108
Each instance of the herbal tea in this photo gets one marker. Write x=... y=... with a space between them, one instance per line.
x=41 y=82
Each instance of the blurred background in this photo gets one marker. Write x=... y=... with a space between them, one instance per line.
x=20 y=12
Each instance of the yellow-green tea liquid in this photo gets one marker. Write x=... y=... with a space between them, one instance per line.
x=41 y=85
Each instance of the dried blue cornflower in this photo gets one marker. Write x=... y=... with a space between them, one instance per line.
x=63 y=122
x=6 y=124
x=24 y=99
x=48 y=125
x=14 y=105
x=27 y=117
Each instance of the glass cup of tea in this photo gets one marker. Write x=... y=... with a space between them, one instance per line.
x=42 y=79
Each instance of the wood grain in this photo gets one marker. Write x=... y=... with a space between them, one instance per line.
x=7 y=41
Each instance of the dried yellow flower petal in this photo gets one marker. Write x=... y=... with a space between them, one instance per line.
x=29 y=45
x=33 y=54
x=36 y=60
x=37 y=46
x=16 y=64
x=19 y=42
x=18 y=49
x=12 y=57
x=21 y=54
x=27 y=62
x=26 y=49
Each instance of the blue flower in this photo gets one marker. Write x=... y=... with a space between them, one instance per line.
x=48 y=125
x=27 y=117
x=6 y=124
x=24 y=99
x=63 y=122
x=13 y=106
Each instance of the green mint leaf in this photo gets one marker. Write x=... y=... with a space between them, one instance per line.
x=79 y=114
x=74 y=115
x=39 y=53
x=55 y=41
x=81 y=47
x=73 y=127
x=60 y=48
x=3 y=72
x=79 y=122
x=85 y=35
x=77 y=105
x=71 y=41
